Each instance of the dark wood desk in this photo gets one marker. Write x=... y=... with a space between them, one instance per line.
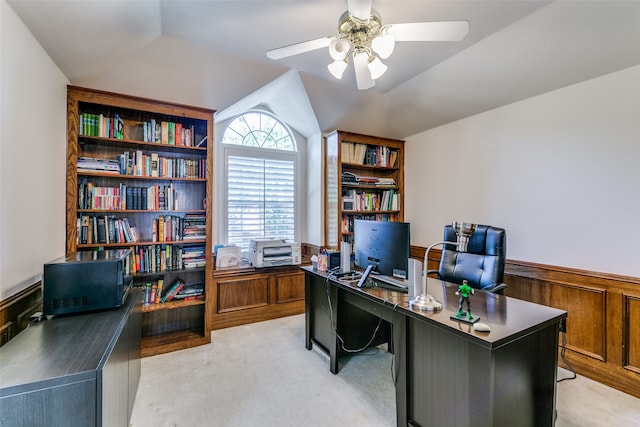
x=446 y=372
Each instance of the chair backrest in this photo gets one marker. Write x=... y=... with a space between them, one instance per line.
x=483 y=263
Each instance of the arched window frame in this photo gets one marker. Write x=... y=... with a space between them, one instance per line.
x=254 y=151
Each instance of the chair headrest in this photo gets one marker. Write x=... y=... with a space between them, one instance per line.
x=485 y=240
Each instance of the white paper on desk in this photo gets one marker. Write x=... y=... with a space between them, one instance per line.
x=228 y=256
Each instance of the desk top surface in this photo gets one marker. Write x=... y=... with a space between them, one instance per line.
x=509 y=318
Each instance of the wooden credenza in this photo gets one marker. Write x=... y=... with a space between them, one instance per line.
x=79 y=370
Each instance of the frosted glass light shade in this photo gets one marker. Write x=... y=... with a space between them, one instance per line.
x=383 y=45
x=337 y=68
x=376 y=68
x=339 y=48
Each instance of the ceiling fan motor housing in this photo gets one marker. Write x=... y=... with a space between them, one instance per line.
x=358 y=32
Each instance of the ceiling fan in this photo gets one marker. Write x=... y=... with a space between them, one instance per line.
x=362 y=36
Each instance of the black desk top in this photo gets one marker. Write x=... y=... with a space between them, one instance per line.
x=509 y=318
x=71 y=346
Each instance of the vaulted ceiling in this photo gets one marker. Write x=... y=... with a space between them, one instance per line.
x=515 y=49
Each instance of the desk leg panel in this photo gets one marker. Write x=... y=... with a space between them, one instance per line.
x=455 y=382
x=525 y=374
x=400 y=331
x=321 y=316
x=438 y=377
x=308 y=310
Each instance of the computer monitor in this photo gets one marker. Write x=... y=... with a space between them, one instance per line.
x=386 y=245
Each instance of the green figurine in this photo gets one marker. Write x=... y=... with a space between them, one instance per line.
x=464 y=291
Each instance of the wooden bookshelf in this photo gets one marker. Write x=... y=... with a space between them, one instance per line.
x=378 y=166
x=166 y=163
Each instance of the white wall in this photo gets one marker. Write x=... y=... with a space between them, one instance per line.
x=560 y=172
x=32 y=156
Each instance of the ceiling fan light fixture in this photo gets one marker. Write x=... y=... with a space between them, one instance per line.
x=337 y=68
x=364 y=41
x=376 y=67
x=384 y=44
x=339 y=48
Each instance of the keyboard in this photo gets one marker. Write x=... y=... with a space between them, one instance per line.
x=389 y=282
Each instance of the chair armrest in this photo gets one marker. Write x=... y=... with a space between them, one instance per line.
x=497 y=288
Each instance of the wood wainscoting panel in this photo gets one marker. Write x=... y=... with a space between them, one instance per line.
x=242 y=293
x=631 y=344
x=15 y=311
x=586 y=321
x=289 y=287
x=603 y=315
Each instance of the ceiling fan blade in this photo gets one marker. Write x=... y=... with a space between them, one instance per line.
x=430 y=31
x=363 y=75
x=298 y=48
x=360 y=9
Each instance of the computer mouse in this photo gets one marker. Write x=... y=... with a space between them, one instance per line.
x=482 y=327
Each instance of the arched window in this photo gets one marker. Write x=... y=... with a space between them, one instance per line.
x=260 y=189
x=259 y=129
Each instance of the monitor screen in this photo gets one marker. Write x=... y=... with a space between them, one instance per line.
x=383 y=244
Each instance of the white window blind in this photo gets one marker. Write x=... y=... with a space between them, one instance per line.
x=260 y=199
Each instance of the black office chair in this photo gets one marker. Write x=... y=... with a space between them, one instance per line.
x=482 y=266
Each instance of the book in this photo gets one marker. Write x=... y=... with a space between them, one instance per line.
x=172 y=291
x=178 y=134
x=154 y=164
x=171 y=133
x=89 y=164
x=164 y=132
x=159 y=290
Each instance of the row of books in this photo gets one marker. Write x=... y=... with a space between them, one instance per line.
x=160 y=258
x=94 y=229
x=170 y=133
x=100 y=125
x=170 y=228
x=123 y=197
x=155 y=293
x=137 y=163
x=348 y=221
x=387 y=200
x=372 y=155
x=105 y=229
x=353 y=179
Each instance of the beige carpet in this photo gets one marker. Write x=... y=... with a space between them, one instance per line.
x=262 y=375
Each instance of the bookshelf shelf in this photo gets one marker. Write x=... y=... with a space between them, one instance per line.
x=81 y=246
x=365 y=167
x=125 y=154
x=114 y=142
x=169 y=272
x=172 y=341
x=172 y=305
x=364 y=179
x=158 y=211
x=369 y=212
x=145 y=178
